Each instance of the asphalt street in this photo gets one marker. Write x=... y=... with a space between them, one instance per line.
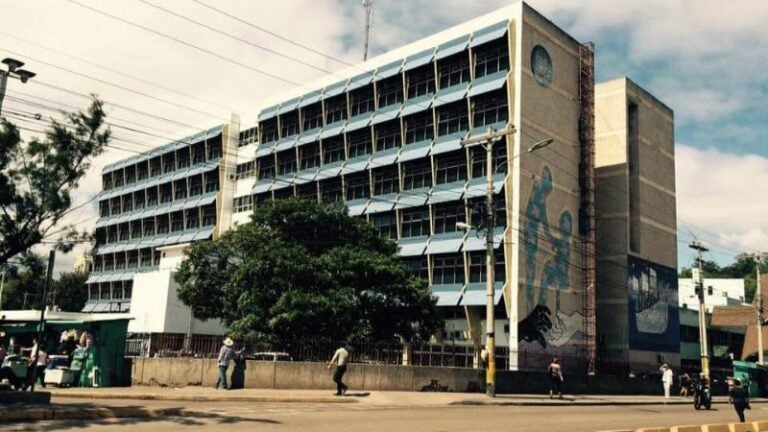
x=237 y=416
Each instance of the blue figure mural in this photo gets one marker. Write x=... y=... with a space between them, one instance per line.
x=535 y=215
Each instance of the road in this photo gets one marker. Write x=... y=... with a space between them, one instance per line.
x=230 y=416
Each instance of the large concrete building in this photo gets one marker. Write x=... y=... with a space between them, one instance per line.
x=386 y=138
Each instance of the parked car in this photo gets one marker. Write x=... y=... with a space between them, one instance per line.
x=269 y=356
x=14 y=370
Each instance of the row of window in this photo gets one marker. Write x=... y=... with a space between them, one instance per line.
x=182 y=158
x=449 y=167
x=714 y=337
x=164 y=193
x=447 y=72
x=456 y=268
x=136 y=259
x=182 y=220
x=120 y=290
x=248 y=136
x=488 y=109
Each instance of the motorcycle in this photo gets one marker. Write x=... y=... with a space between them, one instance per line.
x=701 y=395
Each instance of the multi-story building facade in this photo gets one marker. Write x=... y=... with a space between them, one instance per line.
x=637 y=299
x=717 y=292
x=386 y=137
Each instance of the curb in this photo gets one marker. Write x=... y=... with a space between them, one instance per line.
x=572 y=403
x=183 y=398
x=58 y=413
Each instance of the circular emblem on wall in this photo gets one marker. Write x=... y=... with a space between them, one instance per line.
x=541 y=65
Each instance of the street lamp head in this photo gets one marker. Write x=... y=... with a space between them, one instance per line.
x=25 y=75
x=540 y=144
x=461 y=226
x=13 y=64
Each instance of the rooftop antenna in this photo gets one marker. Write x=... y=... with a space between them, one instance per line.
x=368 y=5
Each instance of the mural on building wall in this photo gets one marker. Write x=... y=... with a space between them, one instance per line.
x=550 y=322
x=654 y=321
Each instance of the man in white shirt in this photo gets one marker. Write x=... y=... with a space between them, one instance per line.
x=340 y=360
x=666 y=379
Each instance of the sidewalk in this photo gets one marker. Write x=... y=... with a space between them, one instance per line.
x=205 y=394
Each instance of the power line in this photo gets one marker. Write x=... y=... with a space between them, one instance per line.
x=185 y=43
x=271 y=33
x=119 y=72
x=229 y=35
x=111 y=84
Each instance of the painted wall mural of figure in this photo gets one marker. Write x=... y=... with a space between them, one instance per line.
x=535 y=215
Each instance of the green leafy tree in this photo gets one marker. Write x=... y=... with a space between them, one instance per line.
x=306 y=270
x=37 y=178
x=23 y=288
x=69 y=291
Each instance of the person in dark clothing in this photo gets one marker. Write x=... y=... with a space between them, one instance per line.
x=340 y=361
x=225 y=355
x=739 y=397
x=555 y=372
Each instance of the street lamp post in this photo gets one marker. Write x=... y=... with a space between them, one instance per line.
x=487 y=142
x=14 y=70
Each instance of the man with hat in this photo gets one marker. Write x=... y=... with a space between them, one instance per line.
x=225 y=355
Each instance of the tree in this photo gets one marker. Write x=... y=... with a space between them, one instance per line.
x=24 y=282
x=69 y=291
x=37 y=179
x=742 y=268
x=302 y=270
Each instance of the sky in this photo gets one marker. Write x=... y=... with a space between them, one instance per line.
x=705 y=59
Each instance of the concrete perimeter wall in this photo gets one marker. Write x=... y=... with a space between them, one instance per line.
x=181 y=372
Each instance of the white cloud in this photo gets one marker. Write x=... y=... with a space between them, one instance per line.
x=719 y=198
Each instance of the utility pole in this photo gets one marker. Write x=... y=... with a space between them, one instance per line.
x=368 y=5
x=759 y=309
x=699 y=282
x=13 y=71
x=41 y=325
x=487 y=141
x=2 y=287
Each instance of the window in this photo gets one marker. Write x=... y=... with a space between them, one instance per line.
x=289 y=124
x=448 y=215
x=421 y=81
x=198 y=153
x=419 y=127
x=109 y=262
x=452 y=118
x=112 y=234
x=212 y=181
x=491 y=57
x=419 y=266
x=196 y=185
x=361 y=101
x=390 y=91
x=142 y=171
x=453 y=70
x=162 y=224
x=333 y=150
x=335 y=109
x=209 y=215
x=360 y=143
x=478 y=267
x=152 y=197
x=243 y=203
x=105 y=291
x=115 y=205
x=127 y=203
x=130 y=175
x=154 y=167
x=166 y=193
x=106 y=181
x=169 y=162
x=388 y=135
x=128 y=290
x=477 y=206
x=310 y=156
x=118 y=176
x=358 y=186
x=415 y=222
x=214 y=148
x=248 y=136
x=103 y=208
x=330 y=190
x=133 y=259
x=139 y=198
x=451 y=167
x=245 y=170
x=192 y=218
x=477 y=156
x=93 y=292
x=182 y=158
x=286 y=161
x=386 y=180
x=489 y=109
x=136 y=229
x=386 y=224
x=177 y=221
x=123 y=231
x=148 y=225
x=417 y=174
x=448 y=269
x=312 y=116
x=180 y=189
x=268 y=130
x=266 y=167
x=307 y=191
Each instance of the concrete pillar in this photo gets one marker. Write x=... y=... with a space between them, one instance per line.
x=475 y=316
x=407 y=353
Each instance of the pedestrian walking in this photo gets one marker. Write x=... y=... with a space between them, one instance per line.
x=225 y=355
x=31 y=365
x=555 y=372
x=685 y=383
x=667 y=378
x=739 y=397
x=340 y=361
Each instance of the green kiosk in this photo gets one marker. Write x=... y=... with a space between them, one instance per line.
x=100 y=362
x=751 y=375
